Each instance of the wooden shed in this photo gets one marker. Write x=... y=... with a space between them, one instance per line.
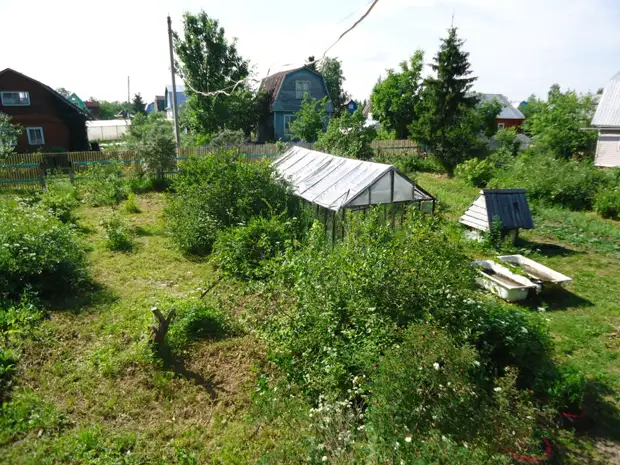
x=508 y=205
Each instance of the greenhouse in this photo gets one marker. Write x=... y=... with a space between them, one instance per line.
x=335 y=185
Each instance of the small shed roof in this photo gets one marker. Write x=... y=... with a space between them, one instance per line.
x=608 y=110
x=335 y=182
x=509 y=205
x=508 y=111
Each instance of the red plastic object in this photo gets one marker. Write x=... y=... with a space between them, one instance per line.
x=526 y=459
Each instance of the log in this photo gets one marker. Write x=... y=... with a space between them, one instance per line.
x=160 y=325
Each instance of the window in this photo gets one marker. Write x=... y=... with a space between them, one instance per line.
x=500 y=126
x=35 y=136
x=301 y=88
x=15 y=99
x=288 y=119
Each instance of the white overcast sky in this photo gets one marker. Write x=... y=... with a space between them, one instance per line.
x=517 y=47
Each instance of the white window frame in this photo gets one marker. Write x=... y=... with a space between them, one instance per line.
x=30 y=138
x=298 y=88
x=288 y=119
x=501 y=125
x=27 y=94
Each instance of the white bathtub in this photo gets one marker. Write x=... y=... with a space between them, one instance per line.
x=502 y=282
x=539 y=272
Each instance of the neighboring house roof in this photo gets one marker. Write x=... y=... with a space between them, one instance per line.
x=509 y=205
x=608 y=110
x=508 y=111
x=272 y=83
x=335 y=183
x=181 y=96
x=71 y=105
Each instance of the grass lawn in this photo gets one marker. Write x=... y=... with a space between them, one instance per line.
x=88 y=389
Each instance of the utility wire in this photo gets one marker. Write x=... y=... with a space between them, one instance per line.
x=248 y=79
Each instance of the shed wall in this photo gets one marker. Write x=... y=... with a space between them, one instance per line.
x=608 y=149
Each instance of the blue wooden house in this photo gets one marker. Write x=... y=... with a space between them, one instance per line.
x=286 y=91
x=351 y=106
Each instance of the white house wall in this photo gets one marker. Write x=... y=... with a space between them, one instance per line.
x=608 y=150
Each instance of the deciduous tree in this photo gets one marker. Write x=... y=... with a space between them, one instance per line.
x=331 y=70
x=394 y=99
x=348 y=136
x=310 y=119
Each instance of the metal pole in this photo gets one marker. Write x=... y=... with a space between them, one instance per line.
x=175 y=110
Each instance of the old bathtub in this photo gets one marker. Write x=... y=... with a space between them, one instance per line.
x=502 y=282
x=539 y=273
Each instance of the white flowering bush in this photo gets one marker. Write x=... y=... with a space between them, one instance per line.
x=39 y=252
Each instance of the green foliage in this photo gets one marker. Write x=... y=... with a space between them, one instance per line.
x=348 y=136
x=449 y=120
x=151 y=138
x=220 y=190
x=331 y=70
x=26 y=412
x=309 y=120
x=209 y=62
x=557 y=124
x=409 y=164
x=9 y=133
x=247 y=251
x=198 y=320
x=430 y=385
x=8 y=366
x=138 y=107
x=102 y=184
x=475 y=172
x=131 y=204
x=39 y=252
x=60 y=198
x=505 y=140
x=568 y=183
x=607 y=202
x=227 y=138
x=395 y=98
x=118 y=234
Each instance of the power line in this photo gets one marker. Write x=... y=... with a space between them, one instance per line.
x=238 y=83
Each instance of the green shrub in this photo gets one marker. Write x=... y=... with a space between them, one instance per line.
x=102 y=184
x=409 y=164
x=8 y=365
x=197 y=320
x=432 y=386
x=567 y=183
x=60 y=198
x=118 y=235
x=246 y=251
x=475 y=172
x=131 y=204
x=220 y=190
x=39 y=252
x=607 y=203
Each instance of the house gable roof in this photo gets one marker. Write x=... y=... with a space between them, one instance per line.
x=508 y=111
x=62 y=99
x=273 y=83
x=608 y=110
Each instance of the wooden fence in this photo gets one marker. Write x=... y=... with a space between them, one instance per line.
x=28 y=170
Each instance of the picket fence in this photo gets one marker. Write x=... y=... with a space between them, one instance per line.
x=29 y=170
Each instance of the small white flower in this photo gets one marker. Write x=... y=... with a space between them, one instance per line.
x=497 y=389
x=524 y=330
x=324 y=458
x=477 y=363
x=443 y=438
x=436 y=366
x=408 y=439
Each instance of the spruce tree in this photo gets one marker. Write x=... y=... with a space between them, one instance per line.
x=446 y=120
x=138 y=105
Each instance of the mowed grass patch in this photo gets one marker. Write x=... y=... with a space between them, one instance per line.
x=105 y=396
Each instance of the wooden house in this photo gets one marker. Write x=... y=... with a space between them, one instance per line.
x=286 y=91
x=509 y=116
x=509 y=206
x=50 y=121
x=607 y=119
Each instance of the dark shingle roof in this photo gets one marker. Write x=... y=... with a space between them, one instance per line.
x=509 y=205
x=508 y=111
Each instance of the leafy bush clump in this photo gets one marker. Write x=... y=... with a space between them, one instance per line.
x=430 y=385
x=102 y=184
x=131 y=204
x=607 y=203
x=39 y=252
x=567 y=183
x=475 y=172
x=119 y=236
x=220 y=190
x=246 y=251
x=60 y=198
x=8 y=365
x=409 y=164
x=197 y=320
